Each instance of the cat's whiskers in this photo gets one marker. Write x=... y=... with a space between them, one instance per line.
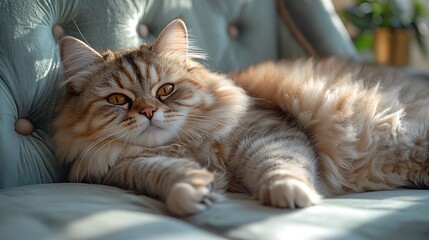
x=205 y=132
x=95 y=153
x=87 y=149
x=108 y=146
x=182 y=131
x=99 y=140
x=179 y=135
x=209 y=125
x=210 y=122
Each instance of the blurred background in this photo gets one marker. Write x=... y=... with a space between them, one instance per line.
x=392 y=32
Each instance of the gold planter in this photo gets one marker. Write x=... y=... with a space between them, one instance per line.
x=392 y=46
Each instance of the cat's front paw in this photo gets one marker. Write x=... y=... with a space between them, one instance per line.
x=288 y=193
x=192 y=195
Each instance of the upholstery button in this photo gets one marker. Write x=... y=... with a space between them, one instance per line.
x=23 y=126
x=143 y=30
x=233 y=31
x=57 y=31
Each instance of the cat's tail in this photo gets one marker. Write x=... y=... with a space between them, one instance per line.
x=347 y=120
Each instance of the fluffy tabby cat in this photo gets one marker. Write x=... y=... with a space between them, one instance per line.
x=155 y=121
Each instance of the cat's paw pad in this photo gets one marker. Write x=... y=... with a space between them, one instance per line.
x=192 y=196
x=288 y=193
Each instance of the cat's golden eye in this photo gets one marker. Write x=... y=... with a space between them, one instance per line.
x=117 y=99
x=165 y=90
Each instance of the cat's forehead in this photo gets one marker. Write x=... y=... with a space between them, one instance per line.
x=130 y=54
x=141 y=68
x=131 y=62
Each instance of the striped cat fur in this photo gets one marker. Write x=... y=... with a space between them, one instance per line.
x=155 y=121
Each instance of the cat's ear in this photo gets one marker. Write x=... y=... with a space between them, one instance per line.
x=173 y=38
x=76 y=55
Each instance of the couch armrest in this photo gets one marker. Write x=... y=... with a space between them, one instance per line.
x=316 y=27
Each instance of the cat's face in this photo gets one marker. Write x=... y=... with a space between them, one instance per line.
x=140 y=98
x=149 y=96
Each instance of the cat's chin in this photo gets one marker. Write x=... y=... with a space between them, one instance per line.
x=152 y=130
x=153 y=136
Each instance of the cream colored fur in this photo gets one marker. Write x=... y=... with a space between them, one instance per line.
x=369 y=123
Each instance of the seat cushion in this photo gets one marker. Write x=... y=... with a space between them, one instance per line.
x=84 y=211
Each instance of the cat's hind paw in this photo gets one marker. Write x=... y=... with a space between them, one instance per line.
x=192 y=196
x=288 y=193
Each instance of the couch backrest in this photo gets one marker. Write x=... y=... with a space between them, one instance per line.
x=234 y=33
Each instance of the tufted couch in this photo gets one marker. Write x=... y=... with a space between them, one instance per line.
x=36 y=202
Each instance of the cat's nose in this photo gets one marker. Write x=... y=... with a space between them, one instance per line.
x=148 y=112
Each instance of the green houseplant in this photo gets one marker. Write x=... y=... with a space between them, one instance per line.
x=388 y=25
